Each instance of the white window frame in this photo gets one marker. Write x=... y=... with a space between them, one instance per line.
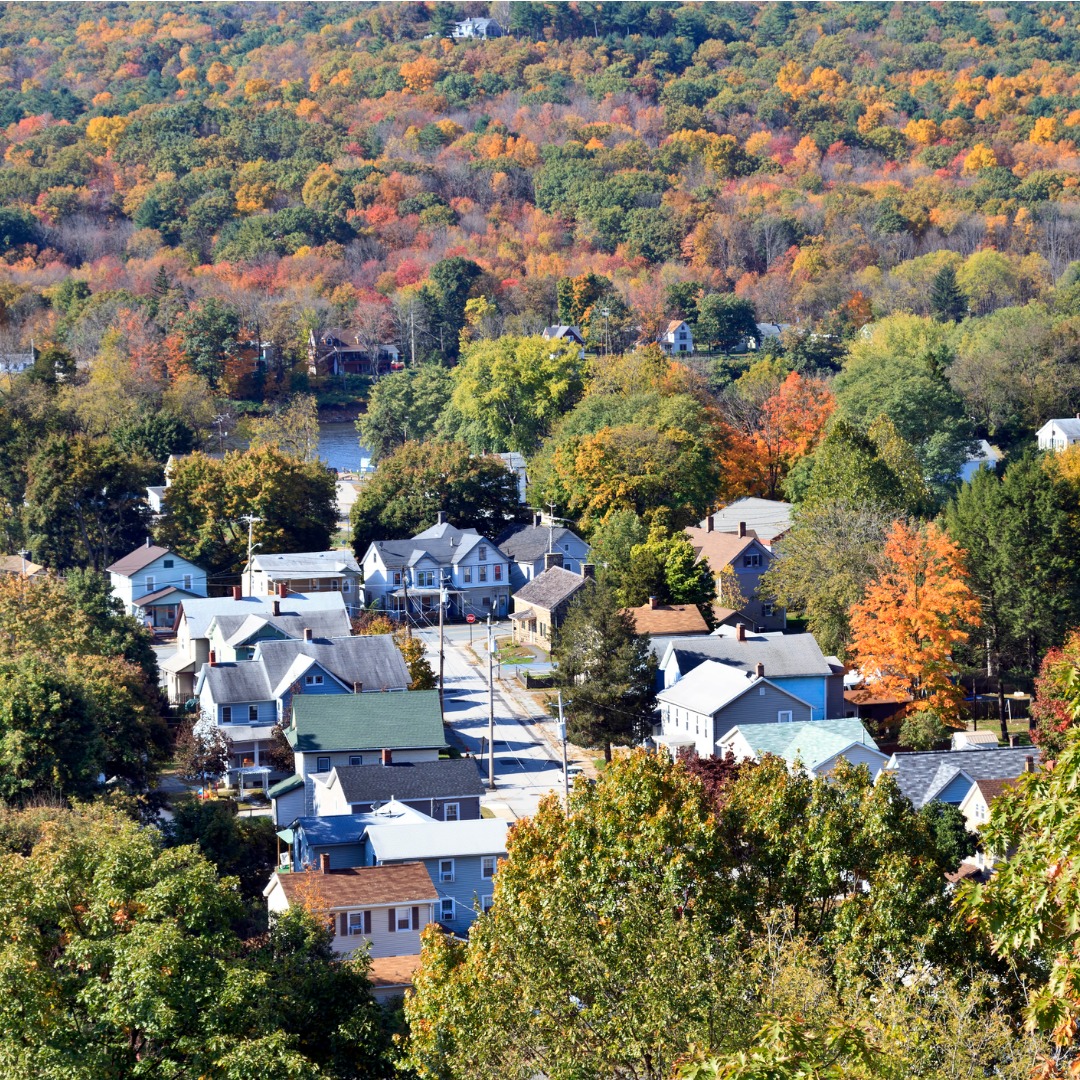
x=784 y=716
x=402 y=919
x=488 y=863
x=356 y=923
x=467 y=575
x=483 y=573
x=319 y=764
x=446 y=870
x=451 y=811
x=446 y=908
x=253 y=714
x=486 y=903
x=313 y=680
x=751 y=560
x=148 y=582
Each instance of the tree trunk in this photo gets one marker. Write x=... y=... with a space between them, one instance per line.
x=607 y=753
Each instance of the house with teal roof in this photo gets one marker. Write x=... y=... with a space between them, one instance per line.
x=816 y=746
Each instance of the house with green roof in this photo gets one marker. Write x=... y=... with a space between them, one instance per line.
x=328 y=730
x=816 y=746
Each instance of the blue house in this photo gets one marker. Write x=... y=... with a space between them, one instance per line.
x=461 y=856
x=527 y=545
x=151 y=582
x=341 y=837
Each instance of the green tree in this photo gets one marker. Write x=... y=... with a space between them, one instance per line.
x=666 y=566
x=52 y=365
x=202 y=750
x=155 y=435
x=209 y=335
x=724 y=321
x=294 y=429
x=453 y=280
x=406 y=492
x=607 y=671
x=404 y=405
x=947 y=302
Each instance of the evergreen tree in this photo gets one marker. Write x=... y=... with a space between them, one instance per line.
x=947 y=302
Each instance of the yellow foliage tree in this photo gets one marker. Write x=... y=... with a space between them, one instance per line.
x=922 y=132
x=419 y=74
x=1045 y=131
x=106 y=130
x=981 y=157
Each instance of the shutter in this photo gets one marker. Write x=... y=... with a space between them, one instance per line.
x=416 y=918
x=367 y=923
x=392 y=924
x=344 y=923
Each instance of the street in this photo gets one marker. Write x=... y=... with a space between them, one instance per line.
x=527 y=764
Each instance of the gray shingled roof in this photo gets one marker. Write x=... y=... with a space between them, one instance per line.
x=443 y=543
x=528 y=543
x=236 y=629
x=551 y=588
x=410 y=781
x=784 y=655
x=923 y=775
x=337 y=560
x=1070 y=426
x=199 y=613
x=769 y=518
x=135 y=560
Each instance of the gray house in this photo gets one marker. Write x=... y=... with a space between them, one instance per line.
x=948 y=775
x=446 y=790
x=540 y=605
x=526 y=545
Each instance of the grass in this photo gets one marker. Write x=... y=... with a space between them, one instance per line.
x=506 y=652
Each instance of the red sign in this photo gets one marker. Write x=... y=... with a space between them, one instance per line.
x=470 y=618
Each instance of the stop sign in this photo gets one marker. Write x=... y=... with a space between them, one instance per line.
x=470 y=618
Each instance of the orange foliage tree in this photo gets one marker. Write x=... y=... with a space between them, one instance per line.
x=912 y=618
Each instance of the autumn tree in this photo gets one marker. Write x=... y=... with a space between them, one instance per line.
x=202 y=750
x=294 y=429
x=404 y=405
x=913 y=617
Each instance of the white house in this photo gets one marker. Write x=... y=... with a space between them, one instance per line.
x=306 y=572
x=1058 y=435
x=566 y=333
x=151 y=582
x=815 y=746
x=676 y=340
x=476 y=28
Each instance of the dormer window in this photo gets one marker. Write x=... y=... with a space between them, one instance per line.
x=313 y=680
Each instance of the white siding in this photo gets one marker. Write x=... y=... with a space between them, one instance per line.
x=383 y=942
x=857 y=755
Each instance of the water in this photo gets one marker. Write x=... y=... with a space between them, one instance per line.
x=340 y=448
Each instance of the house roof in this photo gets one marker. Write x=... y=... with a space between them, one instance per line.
x=719 y=549
x=443 y=543
x=410 y=780
x=767 y=518
x=529 y=543
x=438 y=839
x=283 y=787
x=200 y=612
x=385 y=972
x=977 y=738
x=135 y=560
x=327 y=623
x=14 y=564
x=782 y=655
x=1069 y=426
x=812 y=742
x=334 y=722
x=923 y=775
x=991 y=789
x=711 y=686
x=668 y=619
x=307 y=563
x=551 y=588
x=340 y=829
x=362 y=886
x=553 y=333
x=170 y=593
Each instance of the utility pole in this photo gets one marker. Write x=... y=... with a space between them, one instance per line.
x=442 y=603
x=251 y=522
x=562 y=739
x=551 y=526
x=491 y=712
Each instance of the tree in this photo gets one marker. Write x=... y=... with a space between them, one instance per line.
x=724 y=321
x=947 y=302
x=294 y=430
x=1054 y=708
x=414 y=654
x=202 y=750
x=666 y=566
x=405 y=404
x=410 y=487
x=208 y=499
x=607 y=670
x=912 y=619
x=453 y=279
x=209 y=334
x=508 y=392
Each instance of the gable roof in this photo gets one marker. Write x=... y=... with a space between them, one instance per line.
x=554 y=333
x=529 y=543
x=327 y=623
x=335 y=722
x=340 y=829
x=361 y=886
x=413 y=780
x=991 y=789
x=812 y=742
x=551 y=588
x=1069 y=426
x=16 y=564
x=712 y=686
x=720 y=549
x=783 y=655
x=337 y=561
x=135 y=560
x=668 y=619
x=170 y=592
x=283 y=787
x=767 y=518
x=443 y=543
x=200 y=612
x=923 y=775
x=438 y=839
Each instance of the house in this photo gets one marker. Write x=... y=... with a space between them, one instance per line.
x=246 y=698
x=668 y=620
x=948 y=775
x=237 y=622
x=566 y=334
x=767 y=519
x=816 y=746
x=476 y=28
x=742 y=553
x=408 y=576
x=339 y=352
x=526 y=545
x=767 y=332
x=382 y=907
x=307 y=572
x=1058 y=435
x=19 y=564
x=329 y=731
x=794 y=662
x=676 y=340
x=978 y=802
x=515 y=463
x=462 y=858
x=448 y=789
x=16 y=363
x=540 y=605
x=974 y=740
x=341 y=838
x=151 y=582
x=700 y=709
x=288 y=800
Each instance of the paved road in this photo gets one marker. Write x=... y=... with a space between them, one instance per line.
x=527 y=765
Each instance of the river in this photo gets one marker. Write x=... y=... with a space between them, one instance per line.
x=340 y=448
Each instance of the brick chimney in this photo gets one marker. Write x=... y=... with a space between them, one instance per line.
x=307 y=633
x=213 y=658
x=759 y=670
x=324 y=862
x=740 y=632
x=276 y=608
x=654 y=602
x=709 y=523
x=552 y=558
x=588 y=570
x=742 y=528
x=237 y=592
x=387 y=757
x=282 y=589
x=1029 y=763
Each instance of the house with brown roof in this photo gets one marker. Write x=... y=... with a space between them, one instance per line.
x=383 y=907
x=18 y=564
x=151 y=582
x=742 y=553
x=676 y=339
x=539 y=606
x=668 y=620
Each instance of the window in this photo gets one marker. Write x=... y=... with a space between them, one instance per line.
x=483 y=554
x=356 y=759
x=313 y=680
x=322 y=764
x=359 y=922
x=253 y=714
x=498 y=572
x=446 y=869
x=767 y=610
x=467 y=575
x=226 y=714
x=403 y=919
x=335 y=585
x=784 y=716
x=486 y=601
x=483 y=573
x=167 y=563
x=397 y=577
x=187 y=582
x=451 y=811
x=487 y=866
x=446 y=909
x=345 y=585
x=486 y=902
x=149 y=582
x=752 y=559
